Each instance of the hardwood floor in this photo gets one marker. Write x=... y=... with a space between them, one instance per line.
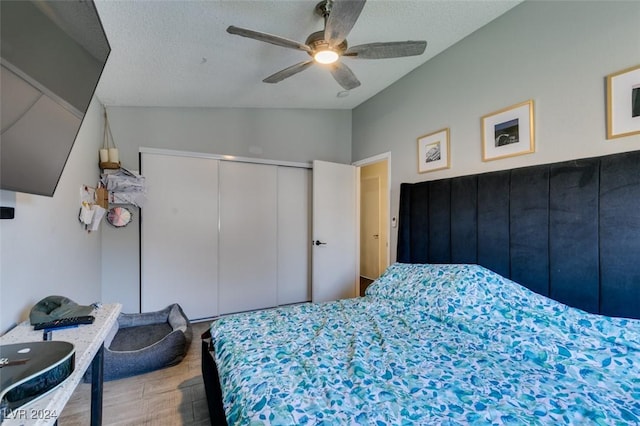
x=171 y=396
x=364 y=283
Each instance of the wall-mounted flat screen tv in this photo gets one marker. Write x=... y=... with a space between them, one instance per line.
x=52 y=56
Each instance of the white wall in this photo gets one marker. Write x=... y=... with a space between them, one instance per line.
x=45 y=250
x=556 y=53
x=276 y=134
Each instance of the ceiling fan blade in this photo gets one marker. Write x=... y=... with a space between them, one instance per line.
x=288 y=72
x=268 y=38
x=342 y=17
x=344 y=76
x=393 y=49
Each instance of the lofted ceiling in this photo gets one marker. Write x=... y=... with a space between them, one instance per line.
x=178 y=53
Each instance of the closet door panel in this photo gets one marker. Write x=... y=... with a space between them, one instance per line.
x=248 y=237
x=179 y=260
x=294 y=235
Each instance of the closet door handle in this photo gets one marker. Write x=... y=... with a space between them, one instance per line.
x=319 y=243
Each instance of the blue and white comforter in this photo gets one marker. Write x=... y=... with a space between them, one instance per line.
x=429 y=345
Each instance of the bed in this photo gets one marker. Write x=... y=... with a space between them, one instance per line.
x=429 y=344
x=513 y=302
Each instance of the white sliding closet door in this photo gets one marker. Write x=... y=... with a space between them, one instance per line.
x=248 y=237
x=179 y=234
x=294 y=235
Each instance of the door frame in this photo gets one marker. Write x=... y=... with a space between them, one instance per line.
x=359 y=164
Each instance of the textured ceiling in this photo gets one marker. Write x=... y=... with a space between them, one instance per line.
x=178 y=53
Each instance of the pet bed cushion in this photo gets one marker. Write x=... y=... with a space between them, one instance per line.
x=140 y=343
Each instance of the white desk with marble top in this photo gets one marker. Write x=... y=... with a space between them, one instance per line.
x=88 y=340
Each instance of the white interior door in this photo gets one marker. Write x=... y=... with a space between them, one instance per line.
x=335 y=233
x=179 y=233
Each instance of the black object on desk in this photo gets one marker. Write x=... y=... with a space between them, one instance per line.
x=64 y=322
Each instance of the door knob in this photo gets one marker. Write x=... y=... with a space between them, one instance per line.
x=319 y=243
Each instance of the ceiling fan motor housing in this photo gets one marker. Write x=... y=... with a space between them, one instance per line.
x=317 y=43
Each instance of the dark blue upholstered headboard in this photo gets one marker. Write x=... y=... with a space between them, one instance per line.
x=569 y=231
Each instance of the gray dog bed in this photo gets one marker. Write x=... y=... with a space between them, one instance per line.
x=145 y=342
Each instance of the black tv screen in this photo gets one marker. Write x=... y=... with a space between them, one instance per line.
x=52 y=56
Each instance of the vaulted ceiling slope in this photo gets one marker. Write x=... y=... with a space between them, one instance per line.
x=179 y=54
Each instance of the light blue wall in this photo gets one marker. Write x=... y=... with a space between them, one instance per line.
x=277 y=134
x=45 y=250
x=556 y=53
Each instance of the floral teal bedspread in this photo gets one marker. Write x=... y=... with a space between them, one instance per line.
x=430 y=345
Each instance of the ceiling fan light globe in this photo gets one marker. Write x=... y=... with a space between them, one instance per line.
x=326 y=56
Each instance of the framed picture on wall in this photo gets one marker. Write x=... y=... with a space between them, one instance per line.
x=433 y=151
x=623 y=103
x=508 y=132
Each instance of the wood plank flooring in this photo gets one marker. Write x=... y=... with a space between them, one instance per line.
x=171 y=396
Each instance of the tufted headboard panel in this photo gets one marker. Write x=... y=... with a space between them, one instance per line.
x=569 y=231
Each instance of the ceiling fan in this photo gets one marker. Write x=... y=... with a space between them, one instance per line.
x=328 y=46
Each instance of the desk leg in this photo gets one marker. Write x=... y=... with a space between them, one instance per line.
x=97 y=380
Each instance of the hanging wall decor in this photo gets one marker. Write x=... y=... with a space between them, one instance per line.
x=508 y=132
x=109 y=156
x=623 y=103
x=119 y=216
x=433 y=151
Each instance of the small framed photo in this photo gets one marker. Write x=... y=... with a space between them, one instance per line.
x=623 y=103
x=508 y=132
x=433 y=151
